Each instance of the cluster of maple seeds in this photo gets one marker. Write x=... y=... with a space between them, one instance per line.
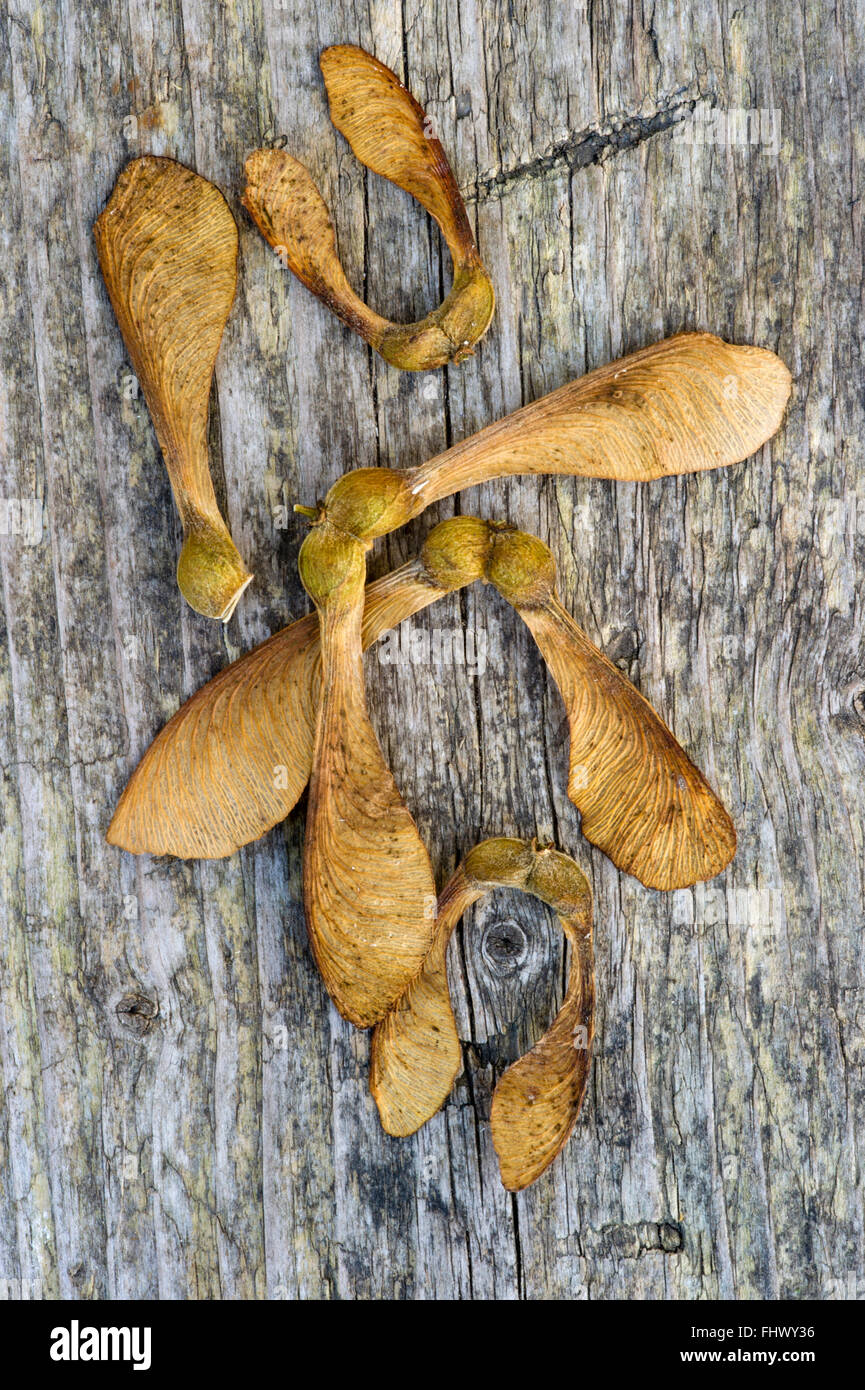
x=167 y=244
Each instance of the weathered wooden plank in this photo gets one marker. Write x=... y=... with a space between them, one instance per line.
x=227 y=1146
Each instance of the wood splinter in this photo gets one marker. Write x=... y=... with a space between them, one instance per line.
x=416 y=1053
x=389 y=133
x=167 y=246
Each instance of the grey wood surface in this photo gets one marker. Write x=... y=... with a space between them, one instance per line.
x=183 y=1114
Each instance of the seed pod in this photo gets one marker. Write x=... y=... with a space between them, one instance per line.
x=167 y=247
x=390 y=134
x=642 y=800
x=683 y=405
x=369 y=893
x=235 y=759
x=416 y=1052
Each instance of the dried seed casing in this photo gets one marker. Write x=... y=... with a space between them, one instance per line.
x=167 y=246
x=642 y=800
x=416 y=1054
x=683 y=405
x=369 y=892
x=389 y=133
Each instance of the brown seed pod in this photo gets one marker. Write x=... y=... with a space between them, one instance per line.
x=235 y=759
x=369 y=892
x=683 y=405
x=390 y=134
x=167 y=246
x=643 y=802
x=416 y=1052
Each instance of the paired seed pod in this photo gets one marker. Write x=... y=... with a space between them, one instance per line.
x=167 y=247
x=416 y=1053
x=236 y=758
x=389 y=133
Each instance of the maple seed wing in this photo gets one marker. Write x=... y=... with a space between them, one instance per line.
x=643 y=802
x=415 y=1054
x=286 y=206
x=536 y=1103
x=686 y=404
x=167 y=246
x=368 y=886
x=390 y=133
x=233 y=761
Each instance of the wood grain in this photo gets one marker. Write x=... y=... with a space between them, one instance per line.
x=230 y=1148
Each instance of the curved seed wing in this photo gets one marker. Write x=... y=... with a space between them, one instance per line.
x=686 y=404
x=237 y=756
x=233 y=761
x=389 y=132
x=536 y=1103
x=415 y=1054
x=642 y=800
x=286 y=206
x=167 y=246
x=369 y=892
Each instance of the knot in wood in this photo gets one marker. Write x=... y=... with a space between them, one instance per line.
x=504 y=947
x=136 y=1013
